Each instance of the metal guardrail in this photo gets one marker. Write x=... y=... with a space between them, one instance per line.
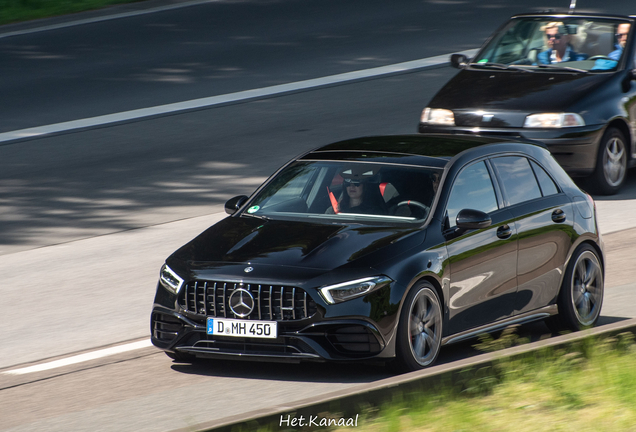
x=352 y=399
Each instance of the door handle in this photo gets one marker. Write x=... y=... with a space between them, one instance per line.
x=558 y=216
x=504 y=232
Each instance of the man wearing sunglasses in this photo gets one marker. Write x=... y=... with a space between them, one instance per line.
x=559 y=48
x=622 y=31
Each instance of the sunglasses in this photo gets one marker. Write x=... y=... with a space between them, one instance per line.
x=620 y=35
x=349 y=182
x=556 y=36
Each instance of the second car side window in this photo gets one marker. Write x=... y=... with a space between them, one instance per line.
x=517 y=179
x=472 y=189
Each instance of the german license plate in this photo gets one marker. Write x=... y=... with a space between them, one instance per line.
x=242 y=328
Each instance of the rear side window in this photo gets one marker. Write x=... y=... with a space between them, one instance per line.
x=518 y=180
x=547 y=184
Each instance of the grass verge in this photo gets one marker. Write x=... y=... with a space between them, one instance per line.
x=12 y=11
x=588 y=386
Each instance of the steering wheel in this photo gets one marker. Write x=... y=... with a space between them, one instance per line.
x=414 y=203
x=600 y=57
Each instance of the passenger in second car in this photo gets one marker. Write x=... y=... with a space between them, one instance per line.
x=559 y=48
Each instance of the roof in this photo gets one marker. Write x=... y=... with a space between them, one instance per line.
x=417 y=149
x=573 y=15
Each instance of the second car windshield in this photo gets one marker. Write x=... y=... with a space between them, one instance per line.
x=348 y=191
x=574 y=44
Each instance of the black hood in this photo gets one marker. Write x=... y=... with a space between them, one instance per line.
x=511 y=95
x=248 y=240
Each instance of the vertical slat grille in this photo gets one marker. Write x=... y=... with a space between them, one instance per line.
x=271 y=302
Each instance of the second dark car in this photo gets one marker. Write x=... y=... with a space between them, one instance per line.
x=564 y=79
x=386 y=248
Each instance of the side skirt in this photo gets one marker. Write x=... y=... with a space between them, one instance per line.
x=524 y=318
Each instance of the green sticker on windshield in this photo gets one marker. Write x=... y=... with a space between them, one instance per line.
x=253 y=209
x=483 y=61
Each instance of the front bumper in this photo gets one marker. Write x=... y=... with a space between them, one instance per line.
x=358 y=329
x=575 y=149
x=335 y=340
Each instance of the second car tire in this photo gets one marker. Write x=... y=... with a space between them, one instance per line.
x=611 y=162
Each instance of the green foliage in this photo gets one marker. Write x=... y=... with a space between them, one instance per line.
x=589 y=385
x=23 y=10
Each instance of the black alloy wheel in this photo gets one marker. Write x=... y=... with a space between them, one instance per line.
x=581 y=295
x=611 y=162
x=420 y=329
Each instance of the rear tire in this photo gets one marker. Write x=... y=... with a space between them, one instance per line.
x=581 y=296
x=419 y=333
x=611 y=163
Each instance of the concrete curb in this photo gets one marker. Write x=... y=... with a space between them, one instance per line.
x=385 y=390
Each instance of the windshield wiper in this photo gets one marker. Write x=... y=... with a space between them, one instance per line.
x=500 y=66
x=262 y=217
x=567 y=68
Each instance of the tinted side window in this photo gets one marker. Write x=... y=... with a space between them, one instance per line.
x=547 y=184
x=517 y=178
x=472 y=189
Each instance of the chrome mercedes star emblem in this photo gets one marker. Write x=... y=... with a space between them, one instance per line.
x=248 y=269
x=241 y=302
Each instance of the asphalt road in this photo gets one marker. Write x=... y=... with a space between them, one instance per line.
x=86 y=218
x=220 y=47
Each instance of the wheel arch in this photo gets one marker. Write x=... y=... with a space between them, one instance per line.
x=435 y=280
x=593 y=245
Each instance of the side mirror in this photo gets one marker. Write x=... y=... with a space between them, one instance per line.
x=458 y=61
x=472 y=219
x=233 y=204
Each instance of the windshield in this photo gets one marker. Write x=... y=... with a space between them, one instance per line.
x=575 y=44
x=349 y=191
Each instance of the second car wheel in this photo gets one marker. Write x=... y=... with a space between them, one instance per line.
x=581 y=295
x=420 y=329
x=611 y=163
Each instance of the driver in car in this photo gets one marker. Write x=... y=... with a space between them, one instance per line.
x=622 y=32
x=559 y=48
x=361 y=193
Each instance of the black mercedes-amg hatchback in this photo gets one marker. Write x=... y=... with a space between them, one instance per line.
x=386 y=248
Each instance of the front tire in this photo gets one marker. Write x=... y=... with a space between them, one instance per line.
x=611 y=162
x=420 y=329
x=581 y=295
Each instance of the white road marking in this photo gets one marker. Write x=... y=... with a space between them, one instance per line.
x=81 y=358
x=228 y=98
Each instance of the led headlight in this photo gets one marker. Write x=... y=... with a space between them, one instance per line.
x=169 y=279
x=553 y=120
x=438 y=116
x=352 y=289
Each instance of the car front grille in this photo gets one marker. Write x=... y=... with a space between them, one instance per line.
x=271 y=302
